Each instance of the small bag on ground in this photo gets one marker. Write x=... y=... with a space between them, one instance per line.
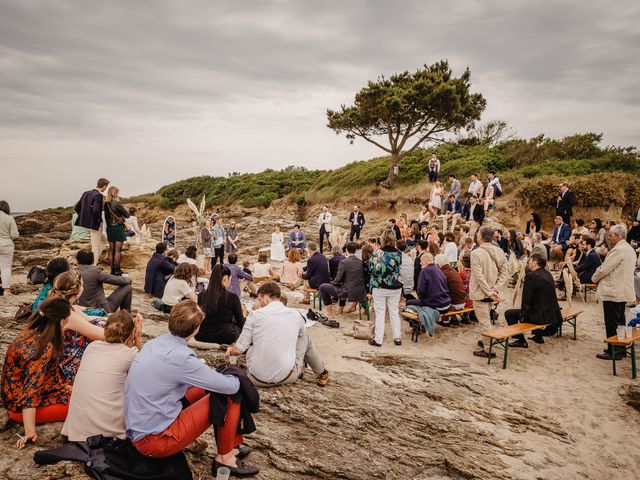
x=363 y=330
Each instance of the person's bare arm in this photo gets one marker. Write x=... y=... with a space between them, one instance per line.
x=29 y=421
x=80 y=324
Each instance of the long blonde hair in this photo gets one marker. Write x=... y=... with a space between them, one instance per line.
x=66 y=285
x=113 y=194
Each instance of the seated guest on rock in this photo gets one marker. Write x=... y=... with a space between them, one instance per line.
x=93 y=279
x=432 y=290
x=334 y=261
x=179 y=287
x=348 y=282
x=189 y=256
x=97 y=400
x=452 y=212
x=473 y=214
x=159 y=268
x=292 y=270
x=406 y=270
x=33 y=388
x=83 y=325
x=163 y=375
x=239 y=278
x=134 y=228
x=534 y=224
x=559 y=238
x=487 y=193
x=539 y=303
x=55 y=267
x=317 y=270
x=262 y=269
x=276 y=342
x=454 y=282
x=223 y=318
x=297 y=239
x=590 y=260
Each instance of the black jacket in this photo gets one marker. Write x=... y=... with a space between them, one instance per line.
x=223 y=323
x=539 y=300
x=478 y=212
x=588 y=265
x=89 y=210
x=247 y=396
x=158 y=268
x=360 y=221
x=564 y=206
x=317 y=270
x=115 y=213
x=334 y=262
x=350 y=279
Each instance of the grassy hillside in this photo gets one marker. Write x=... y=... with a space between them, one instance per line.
x=529 y=168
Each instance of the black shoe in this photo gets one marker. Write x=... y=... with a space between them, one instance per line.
x=480 y=343
x=608 y=356
x=243 y=451
x=537 y=339
x=373 y=343
x=1 y=291
x=519 y=343
x=484 y=354
x=242 y=470
x=397 y=341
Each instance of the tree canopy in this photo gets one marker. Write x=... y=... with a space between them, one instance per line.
x=400 y=113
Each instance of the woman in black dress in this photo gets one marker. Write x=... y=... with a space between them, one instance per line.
x=223 y=320
x=114 y=215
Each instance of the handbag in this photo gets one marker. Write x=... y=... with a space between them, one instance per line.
x=24 y=312
x=363 y=330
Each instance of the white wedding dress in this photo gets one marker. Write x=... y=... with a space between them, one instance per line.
x=277 y=247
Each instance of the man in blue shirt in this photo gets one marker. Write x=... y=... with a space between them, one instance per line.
x=165 y=372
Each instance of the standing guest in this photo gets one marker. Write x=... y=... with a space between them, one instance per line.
x=164 y=372
x=78 y=233
x=33 y=388
x=223 y=318
x=539 y=303
x=292 y=270
x=450 y=249
x=455 y=285
x=207 y=248
x=239 y=278
x=316 y=272
x=324 y=221
x=277 y=343
x=357 y=221
x=559 y=238
x=534 y=224
x=158 y=270
x=487 y=194
x=615 y=283
x=232 y=238
x=334 y=261
x=8 y=233
x=114 y=215
x=406 y=271
x=455 y=187
x=489 y=268
x=219 y=239
x=475 y=186
x=434 y=168
x=179 y=287
x=96 y=406
x=348 y=283
x=494 y=181
x=565 y=203
x=452 y=211
x=297 y=239
x=432 y=290
x=393 y=226
x=435 y=199
x=89 y=210
x=189 y=256
x=133 y=229
x=384 y=266
x=262 y=269
x=55 y=267
x=93 y=280
x=473 y=215
x=277 y=245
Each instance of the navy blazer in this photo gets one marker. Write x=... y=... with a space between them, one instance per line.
x=563 y=237
x=360 y=221
x=89 y=210
x=588 y=265
x=317 y=270
x=454 y=207
x=158 y=268
x=350 y=279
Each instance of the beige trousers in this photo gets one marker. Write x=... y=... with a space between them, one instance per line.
x=6 y=262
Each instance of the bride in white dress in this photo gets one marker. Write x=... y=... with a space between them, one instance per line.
x=277 y=245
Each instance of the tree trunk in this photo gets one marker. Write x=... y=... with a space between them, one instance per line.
x=393 y=166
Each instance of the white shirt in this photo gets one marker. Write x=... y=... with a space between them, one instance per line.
x=261 y=270
x=495 y=183
x=273 y=330
x=184 y=259
x=175 y=291
x=474 y=186
x=325 y=219
x=450 y=251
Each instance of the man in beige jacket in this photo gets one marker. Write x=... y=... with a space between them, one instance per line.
x=489 y=268
x=615 y=283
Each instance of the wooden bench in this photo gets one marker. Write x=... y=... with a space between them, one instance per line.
x=315 y=295
x=586 y=287
x=417 y=328
x=570 y=316
x=499 y=337
x=628 y=345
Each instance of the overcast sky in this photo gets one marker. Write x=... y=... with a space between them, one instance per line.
x=149 y=92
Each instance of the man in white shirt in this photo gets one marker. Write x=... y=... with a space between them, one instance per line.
x=434 y=168
x=324 y=220
x=474 y=186
x=276 y=343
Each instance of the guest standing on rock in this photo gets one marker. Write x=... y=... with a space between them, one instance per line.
x=324 y=221
x=434 y=168
x=615 y=284
x=207 y=249
x=232 y=238
x=8 y=233
x=565 y=202
x=89 y=210
x=114 y=215
x=357 y=221
x=219 y=239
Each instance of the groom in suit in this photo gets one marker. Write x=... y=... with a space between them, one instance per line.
x=324 y=221
x=356 y=220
